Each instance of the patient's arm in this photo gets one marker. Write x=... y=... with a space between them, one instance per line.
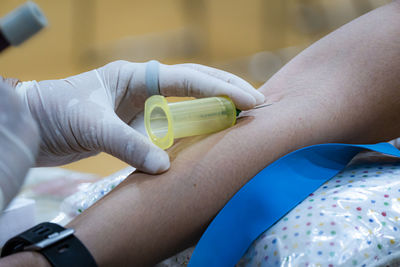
x=344 y=88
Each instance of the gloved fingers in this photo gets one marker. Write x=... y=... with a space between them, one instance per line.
x=229 y=78
x=125 y=143
x=51 y=159
x=126 y=82
x=131 y=82
x=137 y=123
x=184 y=81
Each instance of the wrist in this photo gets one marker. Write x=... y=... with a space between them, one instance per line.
x=55 y=243
x=26 y=258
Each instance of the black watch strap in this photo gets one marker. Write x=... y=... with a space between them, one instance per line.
x=60 y=247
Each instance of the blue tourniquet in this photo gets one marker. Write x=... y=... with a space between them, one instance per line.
x=254 y=208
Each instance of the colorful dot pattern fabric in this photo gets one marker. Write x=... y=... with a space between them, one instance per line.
x=352 y=220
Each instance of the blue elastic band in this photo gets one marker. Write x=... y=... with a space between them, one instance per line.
x=151 y=79
x=271 y=194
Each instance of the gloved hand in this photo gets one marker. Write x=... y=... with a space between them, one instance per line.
x=82 y=115
x=19 y=140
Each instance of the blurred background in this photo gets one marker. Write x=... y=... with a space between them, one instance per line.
x=250 y=38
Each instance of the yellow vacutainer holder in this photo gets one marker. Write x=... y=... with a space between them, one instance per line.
x=166 y=121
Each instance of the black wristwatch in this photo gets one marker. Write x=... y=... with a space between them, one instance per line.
x=58 y=244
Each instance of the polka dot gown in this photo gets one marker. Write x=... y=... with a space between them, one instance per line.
x=352 y=220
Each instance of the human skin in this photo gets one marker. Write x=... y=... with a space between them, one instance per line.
x=344 y=88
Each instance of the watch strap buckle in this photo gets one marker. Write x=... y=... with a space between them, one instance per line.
x=50 y=240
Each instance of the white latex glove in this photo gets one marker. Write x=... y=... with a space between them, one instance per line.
x=19 y=140
x=82 y=115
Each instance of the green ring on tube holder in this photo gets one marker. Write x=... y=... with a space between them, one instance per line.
x=158 y=103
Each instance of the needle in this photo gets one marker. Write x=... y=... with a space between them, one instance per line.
x=238 y=111
x=261 y=106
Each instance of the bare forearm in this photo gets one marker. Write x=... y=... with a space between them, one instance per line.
x=335 y=91
x=150 y=217
x=344 y=88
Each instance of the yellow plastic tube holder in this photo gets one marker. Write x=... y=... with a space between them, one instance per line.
x=166 y=121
